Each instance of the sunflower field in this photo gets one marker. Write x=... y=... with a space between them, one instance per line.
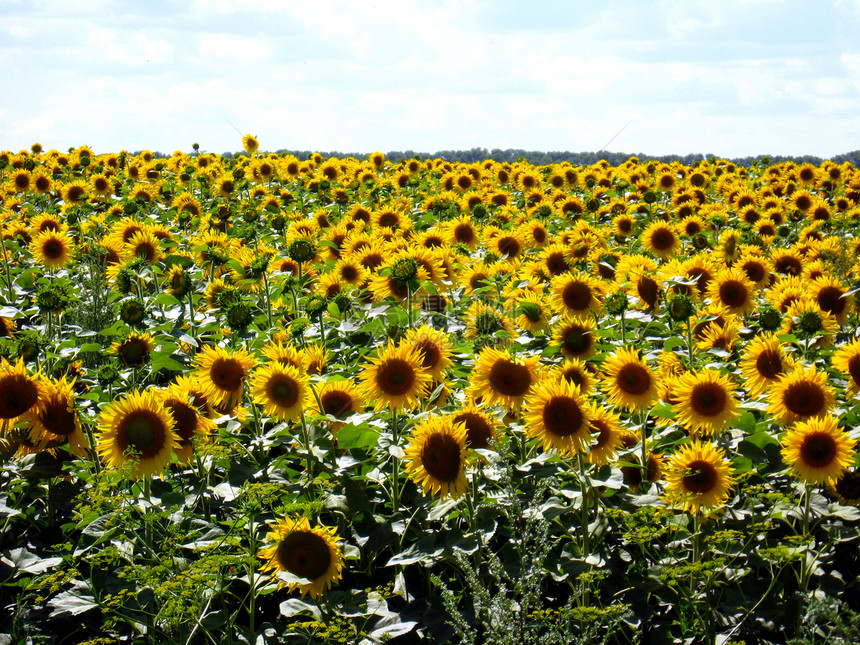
x=261 y=399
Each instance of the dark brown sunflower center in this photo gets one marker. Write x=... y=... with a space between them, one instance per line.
x=576 y=296
x=509 y=379
x=648 y=290
x=574 y=375
x=601 y=429
x=57 y=418
x=430 y=352
x=17 y=395
x=464 y=234
x=702 y=278
x=395 y=377
x=830 y=299
x=556 y=264
x=304 y=554
x=788 y=265
x=349 y=273
x=562 y=416
x=708 y=399
x=700 y=477
x=509 y=246
x=848 y=486
x=143 y=432
x=818 y=450
x=633 y=379
x=227 y=374
x=733 y=293
x=577 y=340
x=662 y=239
x=389 y=220
x=336 y=403
x=440 y=457
x=854 y=368
x=134 y=352
x=755 y=270
x=53 y=249
x=804 y=398
x=283 y=390
x=769 y=364
x=184 y=419
x=478 y=431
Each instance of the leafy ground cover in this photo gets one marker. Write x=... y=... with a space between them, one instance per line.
x=272 y=400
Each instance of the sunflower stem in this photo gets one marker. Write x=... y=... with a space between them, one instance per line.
x=690 y=342
x=395 y=462
x=10 y=289
x=306 y=440
x=623 y=328
x=268 y=299
x=643 y=423
x=585 y=488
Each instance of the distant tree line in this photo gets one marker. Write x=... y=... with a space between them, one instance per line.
x=540 y=158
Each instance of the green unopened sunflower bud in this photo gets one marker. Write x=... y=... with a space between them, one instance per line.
x=680 y=307
x=769 y=319
x=616 y=303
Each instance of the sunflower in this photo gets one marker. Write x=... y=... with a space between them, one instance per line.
x=607 y=433
x=480 y=426
x=576 y=293
x=576 y=371
x=557 y=414
x=661 y=239
x=499 y=378
x=18 y=391
x=817 y=450
x=732 y=289
x=395 y=377
x=282 y=390
x=532 y=311
x=762 y=363
x=137 y=427
x=800 y=395
x=806 y=321
x=698 y=477
x=628 y=381
x=435 y=348
x=436 y=456
x=286 y=354
x=846 y=487
x=703 y=401
x=304 y=552
x=190 y=423
x=143 y=244
x=54 y=419
x=135 y=350
x=222 y=374
x=832 y=297
x=314 y=357
x=250 y=144
x=846 y=359
x=484 y=319
x=576 y=336
x=338 y=399
x=52 y=249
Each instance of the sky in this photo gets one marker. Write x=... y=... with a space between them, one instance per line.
x=733 y=78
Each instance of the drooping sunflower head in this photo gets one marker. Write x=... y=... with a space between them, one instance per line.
x=282 y=390
x=395 y=377
x=846 y=359
x=698 y=477
x=436 y=456
x=817 y=450
x=557 y=414
x=304 y=552
x=19 y=391
x=137 y=428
